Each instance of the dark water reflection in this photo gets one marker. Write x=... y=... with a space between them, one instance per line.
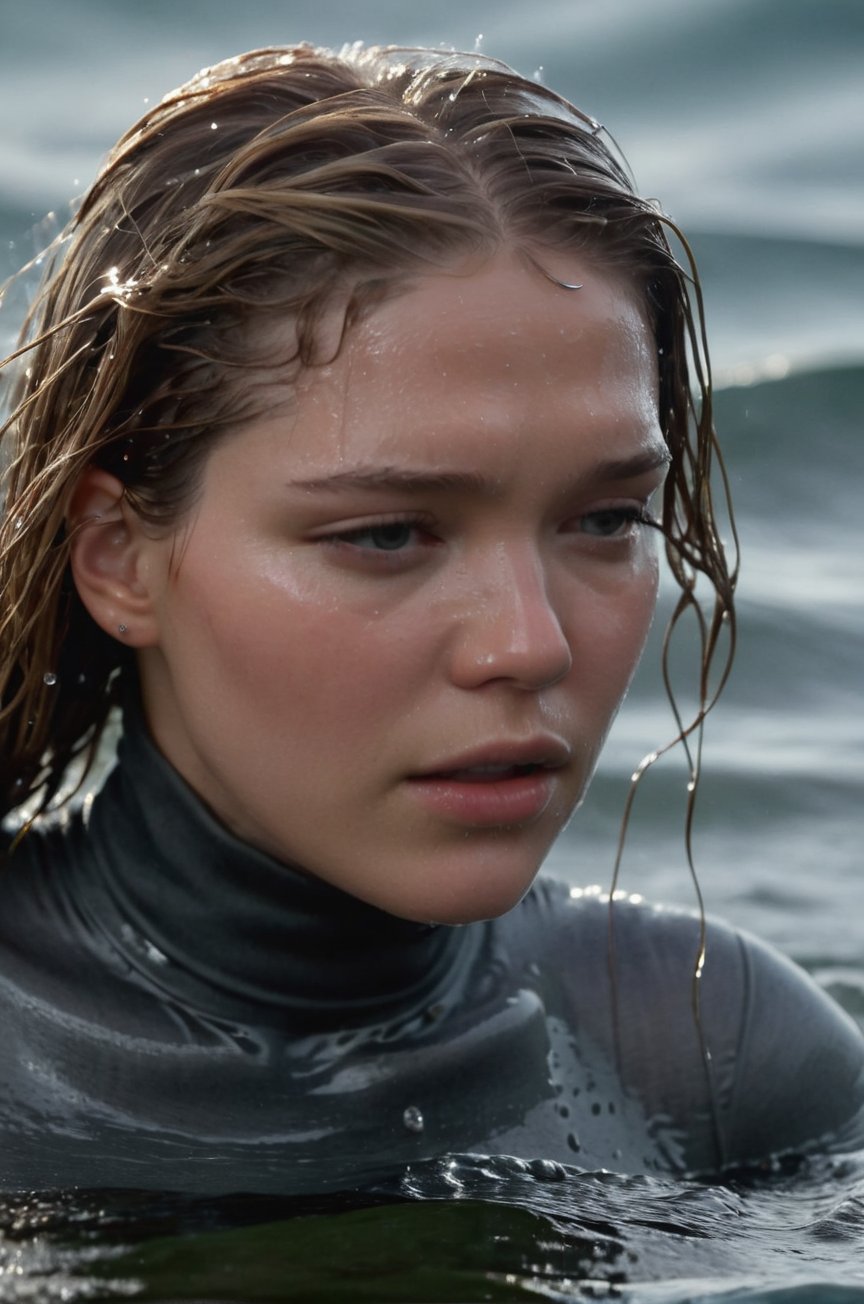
x=460 y=1228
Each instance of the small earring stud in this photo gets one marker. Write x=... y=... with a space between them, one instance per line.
x=121 y=629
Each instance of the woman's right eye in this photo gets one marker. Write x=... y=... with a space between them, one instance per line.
x=396 y=541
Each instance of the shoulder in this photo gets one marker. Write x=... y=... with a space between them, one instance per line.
x=32 y=857
x=38 y=933
x=705 y=1019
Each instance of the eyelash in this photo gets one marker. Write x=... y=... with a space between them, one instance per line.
x=348 y=538
x=627 y=515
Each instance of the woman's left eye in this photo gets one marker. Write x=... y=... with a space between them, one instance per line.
x=613 y=522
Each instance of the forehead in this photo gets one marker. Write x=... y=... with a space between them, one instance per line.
x=504 y=335
x=482 y=364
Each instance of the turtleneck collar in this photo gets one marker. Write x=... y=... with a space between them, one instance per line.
x=227 y=929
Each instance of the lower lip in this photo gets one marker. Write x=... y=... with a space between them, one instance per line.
x=487 y=803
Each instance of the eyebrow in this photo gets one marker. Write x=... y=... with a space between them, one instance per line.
x=376 y=478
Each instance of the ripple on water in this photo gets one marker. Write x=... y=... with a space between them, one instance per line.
x=460 y=1227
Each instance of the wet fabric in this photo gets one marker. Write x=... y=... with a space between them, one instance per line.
x=180 y=1011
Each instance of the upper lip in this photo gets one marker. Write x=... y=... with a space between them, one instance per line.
x=547 y=751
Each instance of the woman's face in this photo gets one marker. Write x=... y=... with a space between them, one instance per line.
x=393 y=633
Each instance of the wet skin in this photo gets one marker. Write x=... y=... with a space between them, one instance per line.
x=389 y=641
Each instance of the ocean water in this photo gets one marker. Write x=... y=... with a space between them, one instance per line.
x=745 y=116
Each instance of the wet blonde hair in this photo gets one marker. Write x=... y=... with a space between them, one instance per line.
x=280 y=183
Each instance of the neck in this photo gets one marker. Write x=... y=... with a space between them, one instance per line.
x=218 y=924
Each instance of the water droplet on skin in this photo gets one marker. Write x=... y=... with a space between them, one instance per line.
x=412 y=1119
x=49 y=678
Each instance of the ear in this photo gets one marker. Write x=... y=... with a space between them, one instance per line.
x=112 y=559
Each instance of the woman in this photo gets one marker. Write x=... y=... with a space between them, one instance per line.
x=347 y=411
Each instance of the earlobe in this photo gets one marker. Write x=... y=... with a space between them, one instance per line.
x=109 y=554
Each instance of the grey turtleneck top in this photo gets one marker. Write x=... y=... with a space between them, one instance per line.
x=180 y=1011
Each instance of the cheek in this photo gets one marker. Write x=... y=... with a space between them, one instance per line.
x=289 y=653
x=610 y=629
x=637 y=617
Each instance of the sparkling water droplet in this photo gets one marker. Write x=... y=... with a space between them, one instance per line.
x=49 y=678
x=412 y=1118
x=154 y=955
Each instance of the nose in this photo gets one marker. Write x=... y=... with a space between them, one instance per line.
x=509 y=629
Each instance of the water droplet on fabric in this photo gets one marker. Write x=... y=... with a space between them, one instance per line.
x=153 y=954
x=412 y=1119
x=547 y=1170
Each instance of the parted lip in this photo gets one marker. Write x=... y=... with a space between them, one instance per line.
x=546 y=751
